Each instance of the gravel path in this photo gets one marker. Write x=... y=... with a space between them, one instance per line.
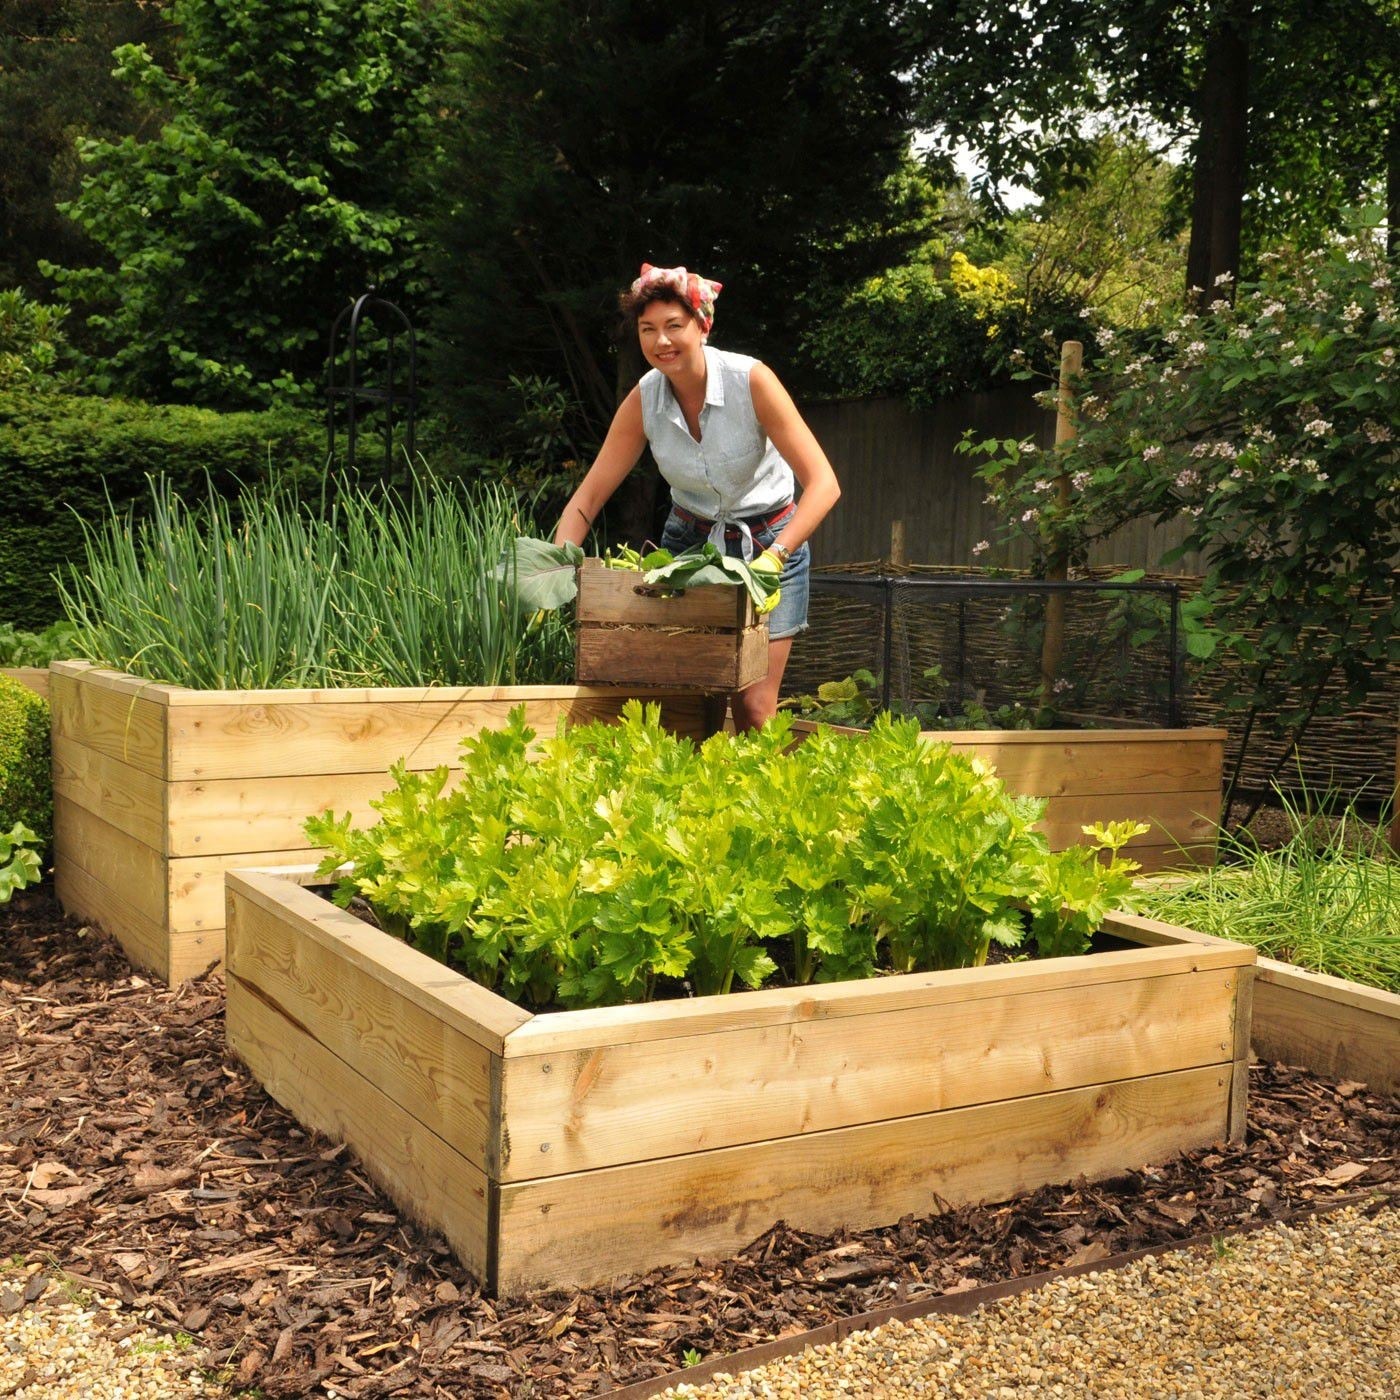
x=1309 y=1309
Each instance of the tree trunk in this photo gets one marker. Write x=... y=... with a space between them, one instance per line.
x=1392 y=188
x=1217 y=189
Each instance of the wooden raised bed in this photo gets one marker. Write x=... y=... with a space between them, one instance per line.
x=707 y=638
x=159 y=789
x=569 y=1148
x=1168 y=777
x=36 y=678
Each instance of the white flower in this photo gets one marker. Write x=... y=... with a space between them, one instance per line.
x=1296 y=361
x=1148 y=453
x=1187 y=478
x=1375 y=432
x=1224 y=279
x=1028 y=516
x=1242 y=332
x=1043 y=485
x=1061 y=685
x=981 y=547
x=1104 y=336
x=1319 y=427
x=1382 y=283
x=1079 y=480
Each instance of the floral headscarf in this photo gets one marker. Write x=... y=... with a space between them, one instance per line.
x=697 y=292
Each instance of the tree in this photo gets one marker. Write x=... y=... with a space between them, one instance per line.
x=56 y=84
x=1272 y=425
x=1289 y=110
x=590 y=135
x=286 y=180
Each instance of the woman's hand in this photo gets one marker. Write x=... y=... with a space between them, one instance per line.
x=770 y=566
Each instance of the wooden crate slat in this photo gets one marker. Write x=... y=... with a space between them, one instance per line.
x=642 y=656
x=428 y=1067
x=587 y=1109
x=415 y=1167
x=611 y=595
x=574 y=1230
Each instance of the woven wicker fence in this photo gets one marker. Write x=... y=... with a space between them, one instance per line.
x=989 y=651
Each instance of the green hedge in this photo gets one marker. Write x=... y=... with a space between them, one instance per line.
x=62 y=453
x=26 y=783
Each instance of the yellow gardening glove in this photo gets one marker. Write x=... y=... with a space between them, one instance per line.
x=768 y=565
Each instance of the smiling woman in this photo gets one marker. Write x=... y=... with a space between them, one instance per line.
x=731 y=445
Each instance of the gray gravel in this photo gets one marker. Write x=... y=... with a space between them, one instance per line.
x=1310 y=1309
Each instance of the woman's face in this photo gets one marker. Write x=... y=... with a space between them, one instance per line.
x=671 y=338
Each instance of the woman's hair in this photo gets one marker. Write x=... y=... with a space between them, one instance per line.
x=632 y=302
x=671 y=284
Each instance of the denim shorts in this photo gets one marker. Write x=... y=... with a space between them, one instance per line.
x=790 y=616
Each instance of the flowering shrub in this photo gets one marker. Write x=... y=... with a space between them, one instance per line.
x=1271 y=425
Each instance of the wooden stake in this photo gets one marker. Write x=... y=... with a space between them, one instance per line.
x=1395 y=802
x=897 y=558
x=1057 y=565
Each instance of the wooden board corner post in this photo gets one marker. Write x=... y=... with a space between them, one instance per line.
x=707 y=638
x=568 y=1149
x=159 y=789
x=1168 y=778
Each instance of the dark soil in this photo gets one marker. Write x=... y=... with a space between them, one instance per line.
x=138 y=1157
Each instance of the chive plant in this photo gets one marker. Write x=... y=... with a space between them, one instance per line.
x=1327 y=899
x=266 y=592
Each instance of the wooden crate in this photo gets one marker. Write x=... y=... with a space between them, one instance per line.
x=158 y=789
x=705 y=638
x=571 y=1148
x=1169 y=778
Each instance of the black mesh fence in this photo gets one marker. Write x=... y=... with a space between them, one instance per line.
x=971 y=652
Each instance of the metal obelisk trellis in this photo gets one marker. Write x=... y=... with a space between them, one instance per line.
x=358 y=397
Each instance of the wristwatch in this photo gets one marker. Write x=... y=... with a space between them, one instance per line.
x=782 y=551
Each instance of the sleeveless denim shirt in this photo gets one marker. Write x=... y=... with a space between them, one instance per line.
x=734 y=471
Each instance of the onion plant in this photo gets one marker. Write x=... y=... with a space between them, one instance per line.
x=1327 y=900
x=266 y=592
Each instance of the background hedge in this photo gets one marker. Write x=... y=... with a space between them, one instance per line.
x=61 y=454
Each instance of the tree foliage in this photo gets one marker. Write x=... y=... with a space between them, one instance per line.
x=1272 y=425
x=56 y=84
x=1287 y=109
x=589 y=135
x=283 y=182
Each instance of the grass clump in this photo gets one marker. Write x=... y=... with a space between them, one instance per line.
x=1327 y=899
x=266 y=592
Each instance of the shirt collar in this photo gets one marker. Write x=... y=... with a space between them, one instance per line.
x=714 y=389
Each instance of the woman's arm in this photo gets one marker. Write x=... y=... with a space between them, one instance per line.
x=779 y=418
x=618 y=455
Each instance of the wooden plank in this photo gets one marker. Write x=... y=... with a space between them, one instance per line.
x=1156 y=933
x=1156 y=859
x=124 y=796
x=273 y=740
x=470 y=1009
x=628 y=1103
x=560 y=1031
x=193 y=952
x=35 y=678
x=125 y=725
x=1239 y=1075
x=113 y=858
x=195 y=885
x=1345 y=1031
x=426 y=1066
x=612 y=595
x=1065 y=767
x=145 y=943
x=415 y=1167
x=231 y=816
x=579 y=1229
x=118 y=682
x=645 y=656
x=1184 y=817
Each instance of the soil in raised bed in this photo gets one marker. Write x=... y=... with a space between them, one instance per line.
x=138 y=1156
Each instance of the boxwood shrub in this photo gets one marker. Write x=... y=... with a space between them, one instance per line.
x=63 y=453
x=26 y=783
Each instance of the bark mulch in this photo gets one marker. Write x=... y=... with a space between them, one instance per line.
x=141 y=1160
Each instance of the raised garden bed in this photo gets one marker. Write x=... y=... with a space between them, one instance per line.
x=568 y=1148
x=35 y=677
x=1167 y=777
x=159 y=789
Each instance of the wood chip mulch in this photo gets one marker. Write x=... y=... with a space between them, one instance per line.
x=139 y=1158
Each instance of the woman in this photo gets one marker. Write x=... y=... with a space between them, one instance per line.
x=729 y=442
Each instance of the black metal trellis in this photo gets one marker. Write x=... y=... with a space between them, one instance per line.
x=883 y=591
x=356 y=396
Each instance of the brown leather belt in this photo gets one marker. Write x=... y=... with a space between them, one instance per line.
x=754 y=522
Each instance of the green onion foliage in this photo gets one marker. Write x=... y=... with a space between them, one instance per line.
x=617 y=862
x=1327 y=900
x=265 y=592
